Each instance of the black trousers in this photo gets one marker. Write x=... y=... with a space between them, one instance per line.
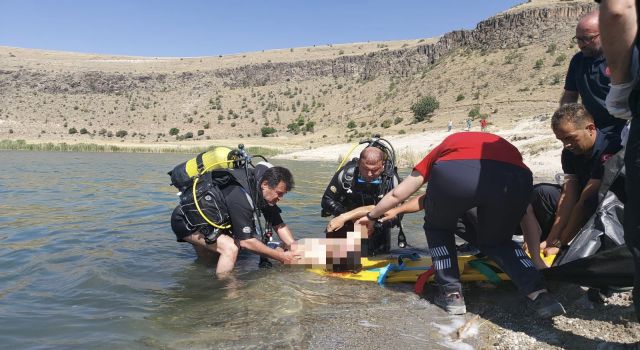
x=544 y=201
x=501 y=193
x=632 y=206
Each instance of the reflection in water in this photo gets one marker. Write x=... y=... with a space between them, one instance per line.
x=88 y=260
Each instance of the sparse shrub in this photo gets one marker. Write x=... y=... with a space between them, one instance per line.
x=402 y=132
x=559 y=60
x=174 y=131
x=551 y=49
x=102 y=132
x=539 y=64
x=351 y=124
x=386 y=123
x=10 y=131
x=555 y=79
x=72 y=131
x=109 y=134
x=423 y=109
x=460 y=97
x=188 y=135
x=84 y=131
x=200 y=132
x=121 y=133
x=206 y=126
x=397 y=120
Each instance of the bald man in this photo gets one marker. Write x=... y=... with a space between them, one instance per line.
x=360 y=182
x=588 y=75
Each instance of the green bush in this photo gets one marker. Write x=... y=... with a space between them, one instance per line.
x=174 y=131
x=267 y=130
x=351 y=124
x=84 y=131
x=397 y=120
x=474 y=112
x=121 y=133
x=460 y=97
x=386 y=123
x=188 y=135
x=309 y=127
x=200 y=132
x=423 y=109
x=73 y=131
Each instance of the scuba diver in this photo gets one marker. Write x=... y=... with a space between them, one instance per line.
x=230 y=196
x=362 y=182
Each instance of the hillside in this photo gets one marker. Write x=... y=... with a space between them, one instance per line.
x=511 y=67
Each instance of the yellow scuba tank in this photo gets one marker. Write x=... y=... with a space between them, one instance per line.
x=218 y=158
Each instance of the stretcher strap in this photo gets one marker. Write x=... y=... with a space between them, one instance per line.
x=422 y=281
x=484 y=268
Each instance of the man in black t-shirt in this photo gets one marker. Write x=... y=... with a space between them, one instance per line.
x=271 y=184
x=588 y=76
x=562 y=210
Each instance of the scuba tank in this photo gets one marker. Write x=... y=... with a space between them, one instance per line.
x=220 y=157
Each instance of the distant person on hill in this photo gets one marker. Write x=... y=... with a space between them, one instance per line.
x=483 y=124
x=619 y=26
x=468 y=170
x=587 y=77
x=450 y=126
x=468 y=124
x=558 y=212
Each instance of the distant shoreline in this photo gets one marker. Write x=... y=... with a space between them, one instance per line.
x=22 y=145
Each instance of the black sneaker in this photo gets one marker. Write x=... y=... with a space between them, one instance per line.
x=545 y=305
x=451 y=302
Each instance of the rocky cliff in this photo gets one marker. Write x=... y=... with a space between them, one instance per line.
x=504 y=31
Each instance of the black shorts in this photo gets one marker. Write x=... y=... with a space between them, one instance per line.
x=180 y=226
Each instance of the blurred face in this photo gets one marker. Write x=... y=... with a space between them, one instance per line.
x=275 y=194
x=370 y=170
x=588 y=38
x=577 y=140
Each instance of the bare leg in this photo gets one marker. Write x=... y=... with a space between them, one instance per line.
x=228 y=250
x=532 y=234
x=225 y=246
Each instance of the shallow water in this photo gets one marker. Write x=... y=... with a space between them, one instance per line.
x=88 y=260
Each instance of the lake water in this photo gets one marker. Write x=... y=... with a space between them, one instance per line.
x=88 y=261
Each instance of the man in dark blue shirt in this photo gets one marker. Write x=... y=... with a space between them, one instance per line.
x=562 y=210
x=588 y=76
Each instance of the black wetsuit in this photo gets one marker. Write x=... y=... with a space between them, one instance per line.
x=348 y=191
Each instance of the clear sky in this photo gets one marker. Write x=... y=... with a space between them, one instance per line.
x=183 y=28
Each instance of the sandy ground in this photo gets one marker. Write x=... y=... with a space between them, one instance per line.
x=540 y=150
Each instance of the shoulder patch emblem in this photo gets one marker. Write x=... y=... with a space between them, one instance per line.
x=333 y=189
x=246 y=229
x=605 y=157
